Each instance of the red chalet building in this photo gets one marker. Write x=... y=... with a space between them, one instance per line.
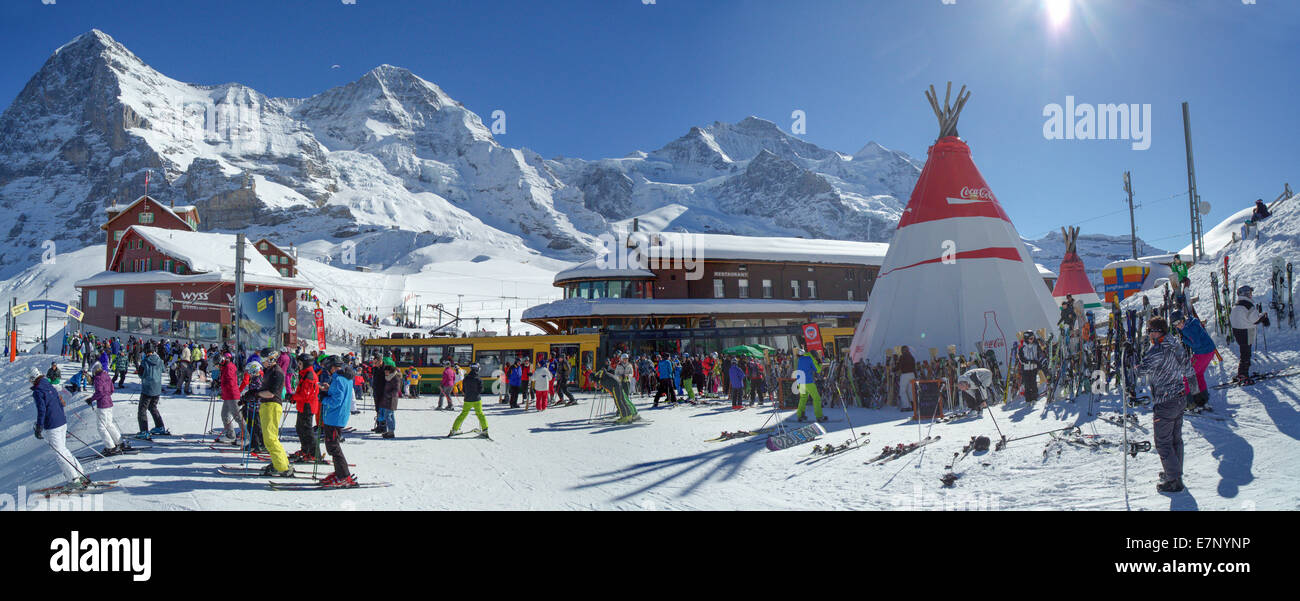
x=163 y=278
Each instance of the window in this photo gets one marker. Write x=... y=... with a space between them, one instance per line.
x=263 y=247
x=744 y=288
x=767 y=288
x=92 y=298
x=794 y=288
x=119 y=298
x=812 y=289
x=850 y=295
x=719 y=288
x=167 y=265
x=284 y=272
x=584 y=290
x=146 y=217
x=117 y=235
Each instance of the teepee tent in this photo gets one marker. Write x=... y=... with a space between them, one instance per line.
x=956 y=272
x=1073 y=278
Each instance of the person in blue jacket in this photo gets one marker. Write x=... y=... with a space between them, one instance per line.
x=1196 y=338
x=52 y=427
x=336 y=407
x=515 y=378
x=151 y=370
x=664 y=370
x=806 y=373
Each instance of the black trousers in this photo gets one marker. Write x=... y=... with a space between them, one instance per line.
x=756 y=393
x=333 y=446
x=306 y=433
x=1030 y=381
x=148 y=406
x=1243 y=342
x=120 y=379
x=1167 y=422
x=666 y=385
x=514 y=396
x=562 y=390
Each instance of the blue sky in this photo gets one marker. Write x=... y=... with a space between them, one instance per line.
x=601 y=78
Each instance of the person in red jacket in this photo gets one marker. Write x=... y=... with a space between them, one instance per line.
x=307 y=400
x=230 y=393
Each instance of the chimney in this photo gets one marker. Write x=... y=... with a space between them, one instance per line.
x=636 y=224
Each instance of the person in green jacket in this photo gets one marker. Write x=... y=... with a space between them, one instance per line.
x=1180 y=270
x=120 y=367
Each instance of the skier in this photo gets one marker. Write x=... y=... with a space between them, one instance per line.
x=390 y=388
x=665 y=373
x=1167 y=370
x=807 y=370
x=976 y=388
x=473 y=387
x=613 y=379
x=1196 y=338
x=1067 y=313
x=248 y=404
x=1179 y=268
x=564 y=371
x=906 y=373
x=306 y=398
x=737 y=389
x=757 y=379
x=120 y=366
x=76 y=382
x=52 y=423
x=231 y=390
x=336 y=408
x=1243 y=318
x=102 y=402
x=1261 y=211
x=151 y=368
x=514 y=376
x=542 y=383
x=688 y=378
x=447 y=385
x=1031 y=361
x=625 y=373
x=270 y=396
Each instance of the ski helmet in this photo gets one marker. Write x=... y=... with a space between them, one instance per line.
x=1245 y=291
x=33 y=373
x=1176 y=317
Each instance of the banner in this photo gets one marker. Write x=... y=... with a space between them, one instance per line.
x=257 y=313
x=812 y=337
x=320 y=328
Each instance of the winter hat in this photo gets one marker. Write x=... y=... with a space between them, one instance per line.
x=1176 y=317
x=96 y=368
x=34 y=374
x=1245 y=291
x=388 y=362
x=254 y=367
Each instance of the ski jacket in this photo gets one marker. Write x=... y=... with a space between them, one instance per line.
x=624 y=371
x=738 y=376
x=283 y=361
x=472 y=386
x=665 y=369
x=542 y=378
x=514 y=376
x=272 y=382
x=307 y=394
x=229 y=382
x=1180 y=270
x=336 y=405
x=120 y=363
x=390 y=387
x=688 y=370
x=103 y=395
x=49 y=407
x=1030 y=355
x=906 y=364
x=448 y=376
x=810 y=368
x=1195 y=336
x=1244 y=315
x=1166 y=366
x=151 y=369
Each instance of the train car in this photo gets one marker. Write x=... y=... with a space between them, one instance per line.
x=430 y=355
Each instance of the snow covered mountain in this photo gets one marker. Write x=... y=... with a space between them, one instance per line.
x=392 y=162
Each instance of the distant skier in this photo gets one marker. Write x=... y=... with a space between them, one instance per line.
x=336 y=409
x=1243 y=318
x=270 y=411
x=1067 y=313
x=1167 y=370
x=906 y=373
x=1179 y=269
x=542 y=383
x=737 y=390
x=306 y=398
x=151 y=368
x=1261 y=211
x=447 y=385
x=664 y=369
x=1196 y=338
x=386 y=394
x=52 y=427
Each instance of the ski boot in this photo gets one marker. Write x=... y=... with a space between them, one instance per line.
x=295 y=457
x=484 y=434
x=143 y=435
x=110 y=451
x=123 y=446
x=159 y=431
x=388 y=434
x=270 y=471
x=78 y=483
x=823 y=418
x=332 y=481
x=1170 y=486
x=802 y=418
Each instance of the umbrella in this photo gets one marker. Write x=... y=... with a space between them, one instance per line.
x=741 y=349
x=762 y=347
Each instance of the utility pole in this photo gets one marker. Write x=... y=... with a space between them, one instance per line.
x=1128 y=188
x=45 y=322
x=239 y=286
x=1193 y=199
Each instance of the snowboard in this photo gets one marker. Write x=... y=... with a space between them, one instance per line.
x=795 y=437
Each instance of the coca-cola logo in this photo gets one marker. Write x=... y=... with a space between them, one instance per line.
x=994 y=343
x=977 y=193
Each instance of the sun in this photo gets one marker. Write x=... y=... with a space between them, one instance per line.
x=1058 y=11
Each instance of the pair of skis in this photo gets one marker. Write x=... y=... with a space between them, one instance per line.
x=894 y=452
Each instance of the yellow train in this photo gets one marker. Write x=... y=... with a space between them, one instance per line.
x=582 y=351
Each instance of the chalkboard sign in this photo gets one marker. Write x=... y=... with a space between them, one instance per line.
x=929 y=399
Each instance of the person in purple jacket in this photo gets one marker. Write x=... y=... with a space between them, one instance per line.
x=102 y=402
x=737 y=380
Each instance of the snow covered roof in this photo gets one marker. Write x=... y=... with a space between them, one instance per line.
x=277 y=247
x=579 y=307
x=113 y=278
x=723 y=247
x=120 y=208
x=203 y=252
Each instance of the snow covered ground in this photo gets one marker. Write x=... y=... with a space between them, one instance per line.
x=557 y=459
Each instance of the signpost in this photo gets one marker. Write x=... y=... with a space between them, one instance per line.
x=38 y=305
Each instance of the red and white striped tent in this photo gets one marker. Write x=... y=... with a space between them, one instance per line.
x=1073 y=277
x=957 y=272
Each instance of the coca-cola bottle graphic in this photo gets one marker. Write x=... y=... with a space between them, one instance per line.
x=993 y=338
